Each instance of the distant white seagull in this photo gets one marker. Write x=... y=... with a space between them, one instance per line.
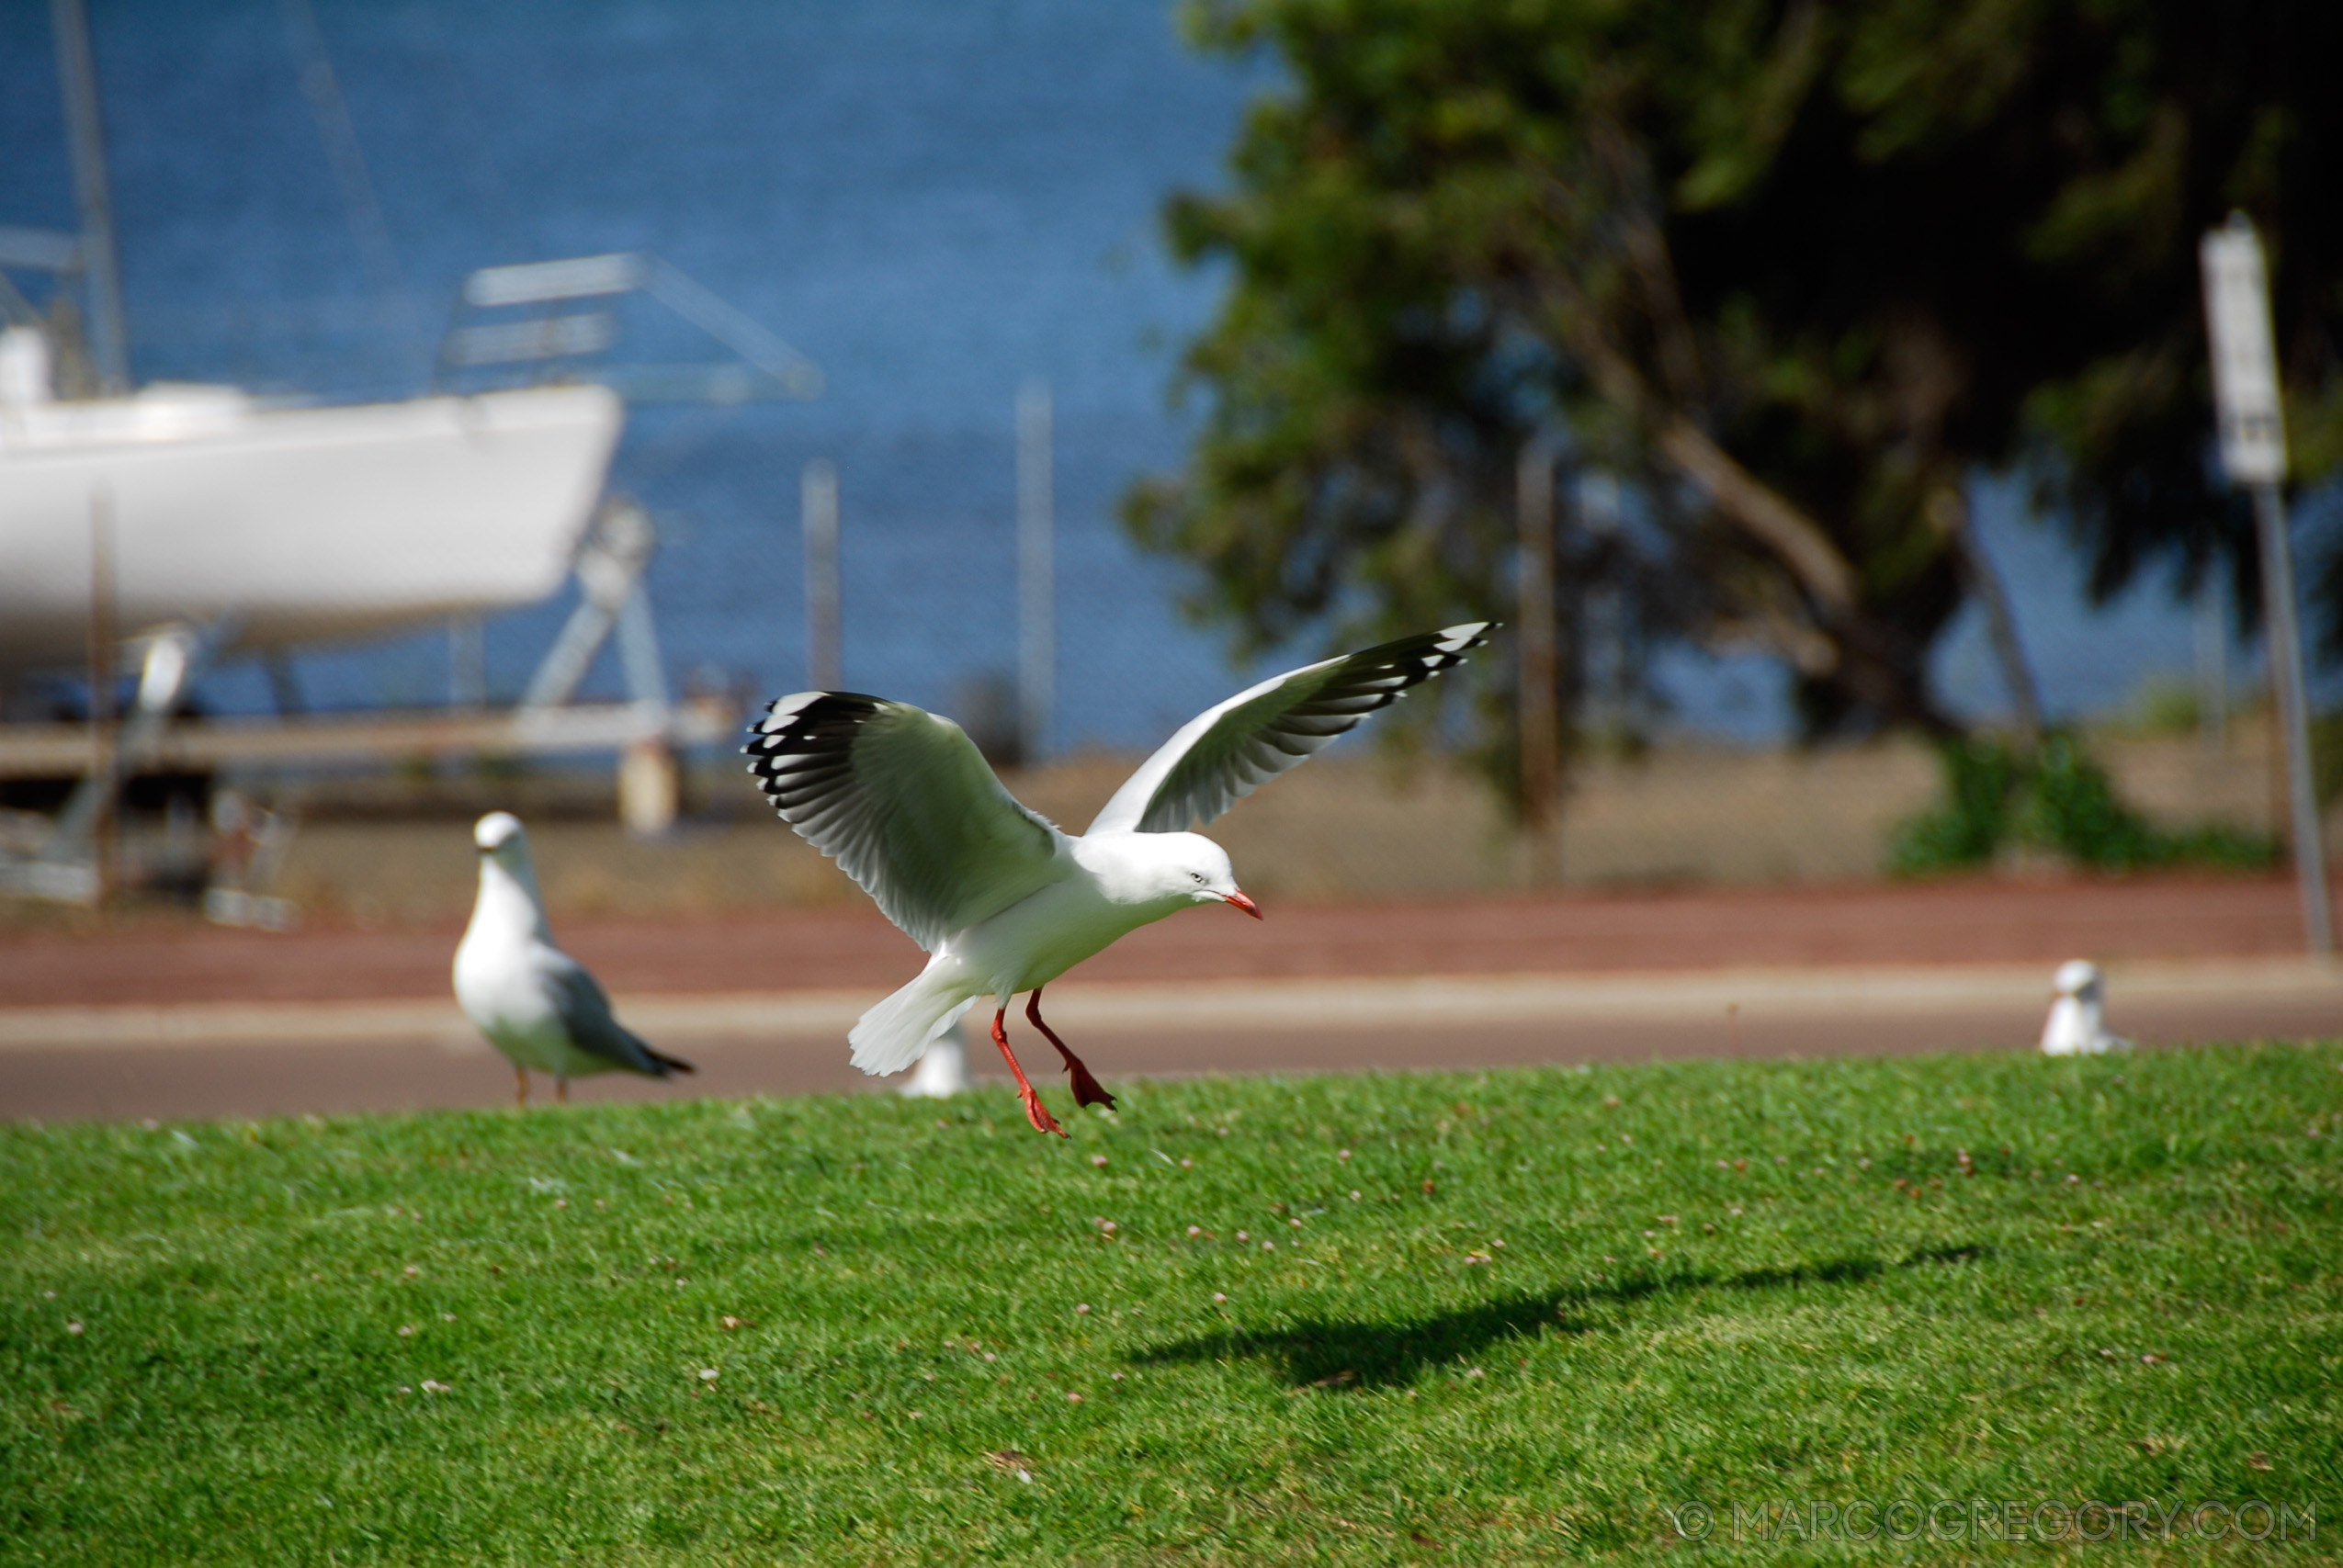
x=1001 y=901
x=943 y=1071
x=2076 y=1026
x=535 y=1003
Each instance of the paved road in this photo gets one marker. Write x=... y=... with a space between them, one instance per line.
x=199 y=1022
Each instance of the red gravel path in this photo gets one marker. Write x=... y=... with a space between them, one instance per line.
x=1966 y=922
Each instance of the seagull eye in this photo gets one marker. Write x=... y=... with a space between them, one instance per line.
x=1199 y=877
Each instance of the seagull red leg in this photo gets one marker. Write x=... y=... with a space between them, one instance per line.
x=1035 y=1111
x=1086 y=1087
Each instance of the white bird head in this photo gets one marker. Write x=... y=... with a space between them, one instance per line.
x=500 y=833
x=508 y=881
x=2079 y=978
x=1179 y=867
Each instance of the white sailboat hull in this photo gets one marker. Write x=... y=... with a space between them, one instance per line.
x=298 y=524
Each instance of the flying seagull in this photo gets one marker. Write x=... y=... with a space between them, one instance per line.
x=535 y=1003
x=2075 y=1027
x=1000 y=898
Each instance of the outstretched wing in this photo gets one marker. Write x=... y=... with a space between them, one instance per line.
x=904 y=804
x=583 y=1008
x=1225 y=753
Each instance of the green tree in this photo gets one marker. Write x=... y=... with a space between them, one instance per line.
x=1792 y=269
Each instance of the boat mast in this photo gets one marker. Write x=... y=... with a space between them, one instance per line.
x=77 y=72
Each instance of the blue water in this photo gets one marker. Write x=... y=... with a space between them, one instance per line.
x=937 y=202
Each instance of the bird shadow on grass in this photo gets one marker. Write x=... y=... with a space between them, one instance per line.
x=1336 y=1355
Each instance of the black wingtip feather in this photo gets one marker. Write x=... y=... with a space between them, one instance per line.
x=802 y=740
x=1204 y=784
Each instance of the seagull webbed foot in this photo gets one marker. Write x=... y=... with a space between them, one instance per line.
x=1087 y=1090
x=1038 y=1115
x=1035 y=1111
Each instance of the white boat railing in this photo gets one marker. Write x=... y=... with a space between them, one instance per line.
x=769 y=369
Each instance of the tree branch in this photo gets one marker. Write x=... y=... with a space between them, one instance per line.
x=1950 y=515
x=1756 y=507
x=1796 y=539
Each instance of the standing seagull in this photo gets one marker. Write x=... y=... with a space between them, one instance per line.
x=534 y=1002
x=2076 y=1026
x=1000 y=899
x=942 y=1072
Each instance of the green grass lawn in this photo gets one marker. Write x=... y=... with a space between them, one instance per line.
x=1482 y=1318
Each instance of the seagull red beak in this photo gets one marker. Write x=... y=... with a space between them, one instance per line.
x=1247 y=905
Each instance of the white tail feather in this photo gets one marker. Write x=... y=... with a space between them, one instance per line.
x=898 y=1032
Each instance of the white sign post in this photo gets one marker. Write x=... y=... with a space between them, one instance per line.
x=818 y=522
x=1036 y=574
x=2253 y=452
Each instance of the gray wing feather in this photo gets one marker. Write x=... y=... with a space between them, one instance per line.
x=580 y=1002
x=905 y=804
x=1226 y=752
